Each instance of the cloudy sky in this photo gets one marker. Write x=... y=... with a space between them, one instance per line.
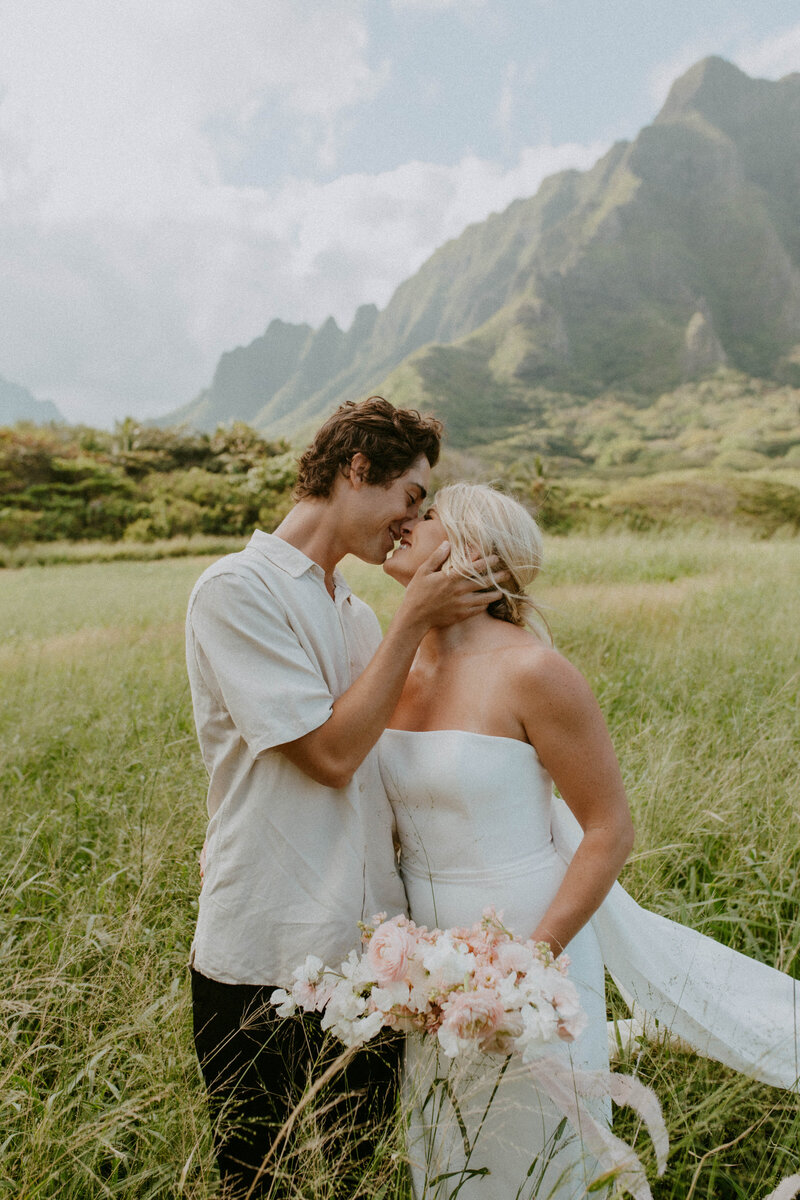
x=176 y=173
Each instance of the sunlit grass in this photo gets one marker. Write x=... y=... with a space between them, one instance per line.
x=693 y=647
x=48 y=553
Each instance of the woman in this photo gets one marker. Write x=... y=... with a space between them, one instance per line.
x=490 y=717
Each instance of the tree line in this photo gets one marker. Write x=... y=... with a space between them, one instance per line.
x=139 y=482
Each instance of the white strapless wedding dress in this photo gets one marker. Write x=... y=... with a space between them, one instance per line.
x=479 y=825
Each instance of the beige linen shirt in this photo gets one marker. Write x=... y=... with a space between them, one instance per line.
x=291 y=865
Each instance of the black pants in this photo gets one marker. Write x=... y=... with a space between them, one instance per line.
x=256 y=1067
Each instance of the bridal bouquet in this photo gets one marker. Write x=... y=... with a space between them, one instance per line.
x=477 y=990
x=483 y=991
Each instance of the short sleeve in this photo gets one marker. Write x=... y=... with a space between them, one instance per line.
x=253 y=663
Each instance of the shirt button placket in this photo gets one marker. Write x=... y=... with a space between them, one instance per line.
x=350 y=662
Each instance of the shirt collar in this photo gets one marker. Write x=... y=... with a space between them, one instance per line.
x=293 y=561
x=282 y=554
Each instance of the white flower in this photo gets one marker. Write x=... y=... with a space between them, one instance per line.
x=385 y=998
x=563 y=993
x=451 y=1043
x=356 y=969
x=510 y=994
x=286 y=1003
x=535 y=979
x=367 y=1027
x=539 y=1028
x=310 y=971
x=420 y=984
x=345 y=1003
x=345 y=1017
x=447 y=963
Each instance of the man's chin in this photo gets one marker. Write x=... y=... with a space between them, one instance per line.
x=375 y=558
x=386 y=553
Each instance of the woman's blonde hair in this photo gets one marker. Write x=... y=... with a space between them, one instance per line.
x=479 y=520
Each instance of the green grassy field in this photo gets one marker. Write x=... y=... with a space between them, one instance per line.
x=693 y=647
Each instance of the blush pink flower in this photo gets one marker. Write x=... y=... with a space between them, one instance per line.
x=473 y=1014
x=513 y=956
x=388 y=951
x=305 y=994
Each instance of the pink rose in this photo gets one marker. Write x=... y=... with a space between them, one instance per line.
x=388 y=951
x=487 y=976
x=473 y=1014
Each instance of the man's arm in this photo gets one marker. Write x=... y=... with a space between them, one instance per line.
x=331 y=753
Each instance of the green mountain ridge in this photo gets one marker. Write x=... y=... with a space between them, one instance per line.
x=676 y=255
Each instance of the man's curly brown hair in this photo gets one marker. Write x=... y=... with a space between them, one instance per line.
x=390 y=438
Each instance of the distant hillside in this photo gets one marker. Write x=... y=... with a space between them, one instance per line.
x=18 y=404
x=677 y=254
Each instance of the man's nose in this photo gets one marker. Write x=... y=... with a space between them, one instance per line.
x=409 y=522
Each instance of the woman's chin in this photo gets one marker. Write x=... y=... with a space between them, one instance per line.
x=396 y=570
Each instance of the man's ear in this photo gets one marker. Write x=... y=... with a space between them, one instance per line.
x=358 y=470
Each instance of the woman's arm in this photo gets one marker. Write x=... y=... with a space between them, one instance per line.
x=563 y=722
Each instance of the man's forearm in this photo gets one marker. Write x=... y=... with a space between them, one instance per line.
x=331 y=753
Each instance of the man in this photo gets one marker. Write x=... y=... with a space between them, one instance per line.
x=292 y=687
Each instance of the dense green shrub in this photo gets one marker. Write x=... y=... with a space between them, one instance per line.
x=139 y=483
x=634 y=467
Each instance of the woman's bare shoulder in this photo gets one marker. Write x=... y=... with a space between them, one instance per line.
x=535 y=657
x=542 y=678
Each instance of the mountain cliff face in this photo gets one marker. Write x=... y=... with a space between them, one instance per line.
x=676 y=253
x=18 y=404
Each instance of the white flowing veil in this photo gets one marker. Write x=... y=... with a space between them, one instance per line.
x=725 y=1005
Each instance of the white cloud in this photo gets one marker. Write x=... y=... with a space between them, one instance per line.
x=114 y=316
x=383 y=227
x=129 y=263
x=117 y=103
x=773 y=57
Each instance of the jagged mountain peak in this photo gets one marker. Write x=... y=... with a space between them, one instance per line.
x=709 y=84
x=677 y=251
x=728 y=99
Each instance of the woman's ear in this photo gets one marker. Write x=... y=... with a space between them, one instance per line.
x=358 y=470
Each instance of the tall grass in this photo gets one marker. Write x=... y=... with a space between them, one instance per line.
x=43 y=554
x=693 y=648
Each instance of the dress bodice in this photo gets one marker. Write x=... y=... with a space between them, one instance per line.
x=466 y=802
x=473 y=819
